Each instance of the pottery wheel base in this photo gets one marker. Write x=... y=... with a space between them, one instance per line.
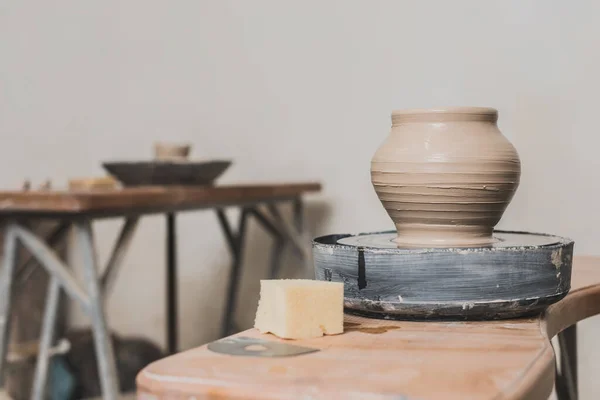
x=520 y=275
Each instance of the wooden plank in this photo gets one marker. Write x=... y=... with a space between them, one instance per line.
x=510 y=359
x=144 y=199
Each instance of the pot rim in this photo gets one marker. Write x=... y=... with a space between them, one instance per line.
x=446 y=110
x=438 y=114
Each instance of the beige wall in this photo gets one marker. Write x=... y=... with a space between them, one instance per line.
x=83 y=82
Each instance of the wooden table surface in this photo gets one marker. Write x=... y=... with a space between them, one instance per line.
x=511 y=359
x=143 y=199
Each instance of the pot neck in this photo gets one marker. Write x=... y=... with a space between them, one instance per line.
x=447 y=114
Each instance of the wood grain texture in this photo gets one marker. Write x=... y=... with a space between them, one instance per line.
x=375 y=359
x=144 y=200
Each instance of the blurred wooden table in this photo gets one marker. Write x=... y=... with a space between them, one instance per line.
x=377 y=359
x=79 y=209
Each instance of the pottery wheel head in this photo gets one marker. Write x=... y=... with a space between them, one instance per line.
x=502 y=240
x=520 y=274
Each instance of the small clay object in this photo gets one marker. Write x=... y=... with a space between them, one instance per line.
x=93 y=184
x=171 y=152
x=47 y=185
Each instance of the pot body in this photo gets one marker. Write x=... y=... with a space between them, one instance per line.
x=445 y=176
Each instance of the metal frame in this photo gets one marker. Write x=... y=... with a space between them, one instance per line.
x=171 y=288
x=105 y=355
x=117 y=256
x=272 y=222
x=93 y=294
x=236 y=242
x=91 y=297
x=282 y=235
x=566 y=378
x=54 y=239
x=6 y=283
x=46 y=340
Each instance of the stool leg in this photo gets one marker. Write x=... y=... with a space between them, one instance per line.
x=103 y=345
x=566 y=384
x=276 y=253
x=6 y=282
x=47 y=337
x=298 y=215
x=237 y=247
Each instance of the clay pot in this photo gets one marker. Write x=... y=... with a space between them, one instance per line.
x=445 y=176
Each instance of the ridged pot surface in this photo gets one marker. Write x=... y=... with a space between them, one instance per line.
x=445 y=176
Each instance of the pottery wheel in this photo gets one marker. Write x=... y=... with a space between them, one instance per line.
x=520 y=274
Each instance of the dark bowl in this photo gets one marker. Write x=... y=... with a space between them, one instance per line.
x=162 y=173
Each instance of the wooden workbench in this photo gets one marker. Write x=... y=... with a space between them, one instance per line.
x=376 y=359
x=143 y=200
x=78 y=209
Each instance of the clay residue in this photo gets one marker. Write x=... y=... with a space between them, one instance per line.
x=556 y=258
x=352 y=326
x=522 y=326
x=278 y=369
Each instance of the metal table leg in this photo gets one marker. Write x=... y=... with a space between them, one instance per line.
x=50 y=314
x=117 y=256
x=236 y=246
x=292 y=235
x=279 y=241
x=103 y=345
x=91 y=299
x=299 y=224
x=281 y=234
x=298 y=215
x=55 y=239
x=6 y=283
x=566 y=380
x=276 y=254
x=46 y=340
x=172 y=319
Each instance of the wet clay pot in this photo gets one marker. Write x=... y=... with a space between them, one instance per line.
x=445 y=176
